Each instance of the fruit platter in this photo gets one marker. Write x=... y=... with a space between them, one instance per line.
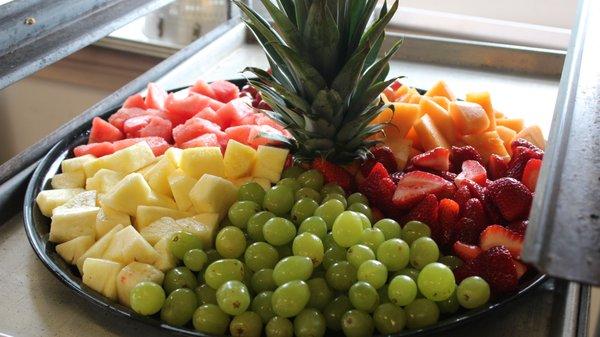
x=321 y=196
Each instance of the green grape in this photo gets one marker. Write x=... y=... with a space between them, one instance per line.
x=423 y=251
x=292 y=183
x=356 y=323
x=303 y=209
x=307 y=192
x=372 y=238
x=335 y=310
x=279 y=231
x=284 y=251
x=373 y=272
x=311 y=178
x=279 y=327
x=329 y=211
x=222 y=271
x=179 y=307
x=182 y=241
x=251 y=191
x=383 y=295
x=261 y=304
x=332 y=188
x=233 y=297
x=330 y=241
x=451 y=261
x=358 y=254
x=261 y=255
x=410 y=272
x=309 y=323
x=262 y=280
x=341 y=276
x=212 y=255
x=390 y=228
x=320 y=294
x=206 y=294
x=358 y=198
x=402 y=290
x=290 y=298
x=210 y=319
x=414 y=230
x=309 y=245
x=363 y=296
x=314 y=225
x=333 y=255
x=179 y=277
x=248 y=324
x=361 y=208
x=292 y=268
x=195 y=259
x=436 y=282
x=473 y=292
x=449 y=305
x=230 y=242
x=394 y=254
x=366 y=223
x=389 y=319
x=279 y=200
x=240 y=212
x=421 y=313
x=256 y=223
x=147 y=298
x=337 y=196
x=292 y=172
x=347 y=229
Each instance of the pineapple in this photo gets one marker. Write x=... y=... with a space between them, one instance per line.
x=98 y=248
x=127 y=246
x=326 y=76
x=269 y=163
x=146 y=215
x=166 y=260
x=48 y=200
x=213 y=194
x=72 y=250
x=134 y=273
x=72 y=223
x=127 y=160
x=133 y=191
x=174 y=155
x=101 y=275
x=204 y=226
x=81 y=200
x=157 y=176
x=74 y=179
x=238 y=159
x=198 y=161
x=264 y=183
x=159 y=229
x=75 y=164
x=108 y=218
x=103 y=180
x=181 y=185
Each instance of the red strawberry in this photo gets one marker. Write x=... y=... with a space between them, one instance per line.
x=426 y=211
x=414 y=186
x=474 y=210
x=448 y=212
x=496 y=266
x=512 y=198
x=459 y=154
x=525 y=143
x=521 y=156
x=380 y=154
x=519 y=227
x=437 y=159
x=497 y=167
x=466 y=252
x=396 y=176
x=466 y=270
x=530 y=173
x=467 y=231
x=475 y=189
x=461 y=196
x=334 y=174
x=521 y=268
x=379 y=188
x=496 y=235
x=491 y=211
x=289 y=161
x=471 y=170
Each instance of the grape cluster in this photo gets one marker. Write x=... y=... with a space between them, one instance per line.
x=302 y=258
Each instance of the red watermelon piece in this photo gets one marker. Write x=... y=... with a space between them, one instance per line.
x=233 y=113
x=118 y=118
x=201 y=87
x=135 y=101
x=239 y=133
x=209 y=139
x=157 y=144
x=96 y=149
x=210 y=115
x=155 y=98
x=263 y=119
x=225 y=91
x=255 y=139
x=103 y=131
x=180 y=110
x=193 y=128
x=148 y=126
x=249 y=119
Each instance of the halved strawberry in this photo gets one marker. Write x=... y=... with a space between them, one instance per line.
x=497 y=267
x=414 y=186
x=521 y=268
x=496 y=235
x=473 y=210
x=497 y=167
x=379 y=188
x=521 y=156
x=459 y=154
x=471 y=170
x=467 y=231
x=448 y=213
x=435 y=159
x=426 y=211
x=380 y=154
x=530 y=173
x=461 y=196
x=512 y=198
x=476 y=190
x=334 y=174
x=525 y=143
x=466 y=252
x=519 y=227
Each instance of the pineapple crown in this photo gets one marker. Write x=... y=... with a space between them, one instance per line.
x=326 y=73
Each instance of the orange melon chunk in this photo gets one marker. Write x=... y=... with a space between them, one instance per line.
x=401 y=149
x=487 y=143
x=498 y=114
x=483 y=98
x=429 y=135
x=516 y=124
x=401 y=92
x=440 y=118
x=415 y=98
x=441 y=89
x=409 y=93
x=534 y=135
x=412 y=136
x=507 y=135
x=469 y=118
x=401 y=119
x=442 y=101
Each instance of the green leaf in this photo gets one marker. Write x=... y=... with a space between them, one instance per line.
x=374 y=52
x=301 y=8
x=288 y=29
x=321 y=38
x=378 y=27
x=275 y=101
x=346 y=81
x=360 y=23
x=289 y=9
x=288 y=143
x=326 y=104
x=288 y=95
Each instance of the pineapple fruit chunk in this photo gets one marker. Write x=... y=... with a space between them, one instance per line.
x=213 y=194
x=269 y=163
x=127 y=246
x=204 y=226
x=134 y=273
x=199 y=161
x=101 y=275
x=132 y=192
x=74 y=179
x=81 y=200
x=238 y=159
x=103 y=180
x=75 y=164
x=72 y=223
x=181 y=185
x=166 y=260
x=48 y=200
x=73 y=249
x=157 y=176
x=146 y=215
x=127 y=160
x=174 y=155
x=108 y=218
x=98 y=248
x=159 y=229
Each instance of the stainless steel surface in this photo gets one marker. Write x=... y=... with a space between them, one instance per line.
x=564 y=234
x=36 y=33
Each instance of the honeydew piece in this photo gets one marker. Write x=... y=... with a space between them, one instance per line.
x=166 y=260
x=108 y=218
x=401 y=149
x=507 y=135
x=440 y=118
x=487 y=143
x=174 y=155
x=98 y=248
x=484 y=99
x=469 y=118
x=128 y=194
x=161 y=228
x=441 y=101
x=81 y=200
x=429 y=136
x=157 y=176
x=101 y=275
x=517 y=124
x=72 y=223
x=127 y=160
x=203 y=226
x=213 y=194
x=134 y=273
x=269 y=162
x=198 y=161
x=75 y=164
x=127 y=246
x=48 y=200
x=238 y=159
x=181 y=184
x=68 y=180
x=146 y=215
x=534 y=135
x=73 y=249
x=103 y=180
x=441 y=89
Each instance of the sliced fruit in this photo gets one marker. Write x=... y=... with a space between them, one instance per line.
x=204 y=226
x=437 y=159
x=213 y=194
x=159 y=229
x=206 y=140
x=269 y=163
x=68 y=180
x=103 y=131
x=472 y=170
x=379 y=188
x=442 y=101
x=135 y=101
x=428 y=134
x=108 y=218
x=101 y=276
x=225 y=91
x=103 y=180
x=487 y=143
x=507 y=135
x=517 y=124
x=125 y=161
x=72 y=250
x=469 y=118
x=497 y=166
x=459 y=154
x=238 y=159
x=334 y=174
x=498 y=269
x=181 y=184
x=440 y=118
x=148 y=126
x=75 y=164
x=234 y=112
x=211 y=115
x=72 y=223
x=534 y=135
x=157 y=176
x=180 y=109
x=196 y=162
x=158 y=144
x=441 y=89
x=466 y=252
x=531 y=173
x=496 y=235
x=201 y=87
x=155 y=97
x=166 y=260
x=98 y=248
x=128 y=194
x=146 y=215
x=414 y=186
x=401 y=119
x=81 y=200
x=95 y=149
x=193 y=128
x=485 y=101
x=511 y=197
x=401 y=149
x=425 y=211
x=127 y=245
x=134 y=273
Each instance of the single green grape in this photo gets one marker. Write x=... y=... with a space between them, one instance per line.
x=341 y=276
x=233 y=297
x=357 y=254
x=436 y=282
x=195 y=259
x=248 y=324
x=292 y=172
x=290 y=298
x=314 y=225
x=292 y=268
x=261 y=304
x=312 y=179
x=309 y=323
x=451 y=261
x=337 y=196
x=373 y=272
x=256 y=223
x=179 y=307
x=335 y=310
x=230 y=242
x=363 y=296
x=358 y=198
x=206 y=294
x=394 y=254
x=179 y=277
x=366 y=223
x=390 y=228
x=361 y=208
x=333 y=255
x=329 y=211
x=332 y=188
x=307 y=192
x=279 y=327
x=251 y=191
x=410 y=272
x=182 y=241
x=279 y=200
x=210 y=319
x=222 y=271
x=320 y=294
x=473 y=292
x=372 y=238
x=402 y=290
x=356 y=323
x=423 y=251
x=241 y=211
x=303 y=209
x=147 y=298
x=449 y=305
x=347 y=229
x=261 y=255
x=262 y=280
x=293 y=183
x=309 y=245
x=389 y=319
x=279 y=231
x=413 y=230
x=421 y=313
x=330 y=241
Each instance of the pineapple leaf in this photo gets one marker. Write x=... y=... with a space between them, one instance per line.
x=289 y=9
x=326 y=105
x=360 y=19
x=287 y=142
x=275 y=101
x=291 y=97
x=346 y=81
x=288 y=29
x=301 y=9
x=374 y=53
x=378 y=27
x=321 y=38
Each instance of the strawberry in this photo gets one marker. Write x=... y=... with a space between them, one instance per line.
x=436 y=159
x=426 y=211
x=289 y=161
x=472 y=170
x=530 y=173
x=380 y=154
x=414 y=186
x=497 y=167
x=521 y=156
x=496 y=235
x=496 y=266
x=521 y=268
x=467 y=231
x=519 y=227
x=475 y=189
x=379 y=188
x=396 y=176
x=511 y=197
x=448 y=212
x=334 y=174
x=376 y=214
x=491 y=211
x=474 y=210
x=525 y=143
x=459 y=154
x=461 y=196
x=466 y=252
x=468 y=269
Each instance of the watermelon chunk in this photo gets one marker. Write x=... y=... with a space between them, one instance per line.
x=180 y=110
x=234 y=112
x=96 y=149
x=155 y=98
x=118 y=118
x=135 y=101
x=193 y=128
x=255 y=139
x=157 y=144
x=148 y=126
x=249 y=119
x=263 y=119
x=201 y=87
x=210 y=115
x=103 y=131
x=239 y=133
x=225 y=91
x=208 y=139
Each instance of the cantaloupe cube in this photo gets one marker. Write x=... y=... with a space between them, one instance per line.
x=199 y=161
x=72 y=223
x=81 y=200
x=103 y=180
x=401 y=149
x=414 y=138
x=181 y=184
x=74 y=179
x=75 y=164
x=109 y=218
x=429 y=135
x=406 y=97
x=98 y=248
x=442 y=101
x=101 y=275
x=135 y=273
x=158 y=176
x=440 y=117
x=401 y=119
x=507 y=135
x=533 y=134
x=498 y=114
x=203 y=226
x=166 y=260
x=73 y=249
x=441 y=89
x=127 y=246
x=269 y=163
x=213 y=194
x=148 y=214
x=484 y=99
x=486 y=143
x=127 y=160
x=516 y=124
x=469 y=118
x=238 y=159
x=50 y=199
x=174 y=155
x=400 y=92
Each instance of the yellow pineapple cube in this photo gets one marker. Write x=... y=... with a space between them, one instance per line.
x=73 y=249
x=213 y=194
x=48 y=200
x=108 y=218
x=103 y=180
x=81 y=200
x=174 y=155
x=181 y=185
x=134 y=273
x=157 y=176
x=146 y=215
x=72 y=223
x=98 y=248
x=204 y=226
x=128 y=194
x=161 y=228
x=127 y=246
x=157 y=199
x=75 y=164
x=166 y=260
x=269 y=163
x=199 y=161
x=74 y=179
x=127 y=160
x=238 y=159
x=263 y=182
x=101 y=275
